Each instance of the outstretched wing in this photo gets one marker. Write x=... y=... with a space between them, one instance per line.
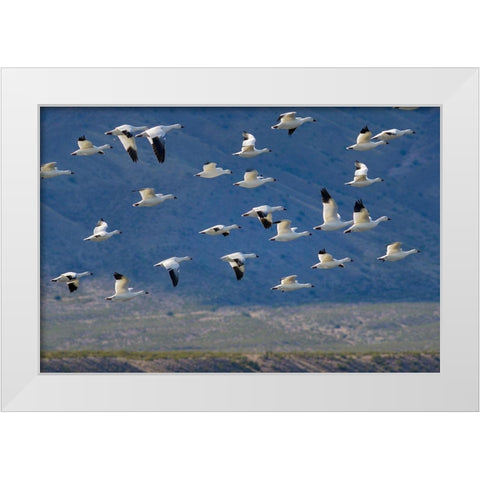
x=360 y=213
x=393 y=248
x=128 y=142
x=82 y=143
x=209 y=166
x=250 y=175
x=330 y=208
x=147 y=193
x=238 y=267
x=100 y=227
x=158 y=145
x=289 y=279
x=121 y=283
x=48 y=167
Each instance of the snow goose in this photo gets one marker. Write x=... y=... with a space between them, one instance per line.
x=366 y=146
x=172 y=265
x=72 y=279
x=125 y=135
x=362 y=220
x=100 y=233
x=285 y=233
x=395 y=253
x=392 y=134
x=220 y=230
x=251 y=179
x=360 y=178
x=150 y=198
x=289 y=121
x=237 y=262
x=331 y=219
x=122 y=292
x=248 y=147
x=156 y=137
x=86 y=147
x=264 y=214
x=49 y=170
x=210 y=170
x=327 y=261
x=364 y=141
x=289 y=284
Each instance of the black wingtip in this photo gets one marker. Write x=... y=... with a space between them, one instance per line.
x=358 y=206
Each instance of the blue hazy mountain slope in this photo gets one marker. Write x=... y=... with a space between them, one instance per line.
x=314 y=157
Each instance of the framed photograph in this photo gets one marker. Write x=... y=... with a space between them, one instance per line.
x=240 y=239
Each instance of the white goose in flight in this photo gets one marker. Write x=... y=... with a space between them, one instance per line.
x=220 y=229
x=172 y=265
x=210 y=170
x=362 y=220
x=286 y=233
x=100 y=233
x=251 y=179
x=125 y=135
x=289 y=121
x=395 y=253
x=156 y=137
x=248 y=147
x=122 y=292
x=72 y=279
x=264 y=214
x=49 y=170
x=289 y=284
x=237 y=261
x=327 y=261
x=393 y=133
x=360 y=178
x=331 y=219
x=150 y=198
x=86 y=147
x=364 y=141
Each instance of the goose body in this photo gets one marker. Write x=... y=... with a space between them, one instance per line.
x=237 y=261
x=290 y=283
x=156 y=137
x=220 y=230
x=100 y=233
x=210 y=170
x=172 y=265
x=248 y=147
x=331 y=219
x=393 y=133
x=366 y=146
x=72 y=279
x=122 y=292
x=327 y=261
x=86 y=147
x=360 y=178
x=362 y=220
x=49 y=170
x=395 y=253
x=125 y=135
x=286 y=233
x=150 y=198
x=289 y=121
x=264 y=214
x=252 y=179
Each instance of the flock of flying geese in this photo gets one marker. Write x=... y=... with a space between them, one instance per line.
x=285 y=232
